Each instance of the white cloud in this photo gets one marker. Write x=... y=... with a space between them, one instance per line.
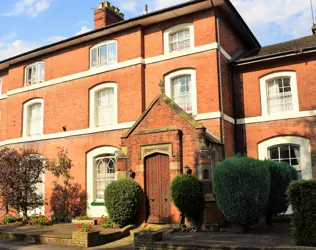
x=130 y=6
x=276 y=20
x=160 y=4
x=83 y=22
x=28 y=7
x=84 y=29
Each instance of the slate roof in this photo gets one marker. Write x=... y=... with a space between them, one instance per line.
x=296 y=45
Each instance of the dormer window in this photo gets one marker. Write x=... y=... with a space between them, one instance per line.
x=34 y=73
x=179 y=38
x=103 y=54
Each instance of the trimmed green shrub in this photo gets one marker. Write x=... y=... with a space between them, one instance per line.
x=302 y=197
x=280 y=179
x=242 y=189
x=122 y=200
x=187 y=196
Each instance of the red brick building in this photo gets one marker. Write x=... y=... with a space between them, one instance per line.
x=98 y=95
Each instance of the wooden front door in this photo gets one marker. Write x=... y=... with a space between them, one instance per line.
x=158 y=188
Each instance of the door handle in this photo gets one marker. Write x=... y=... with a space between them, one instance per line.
x=166 y=199
x=152 y=199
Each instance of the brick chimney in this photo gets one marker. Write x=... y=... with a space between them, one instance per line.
x=106 y=14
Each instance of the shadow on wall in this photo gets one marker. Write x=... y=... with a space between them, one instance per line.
x=68 y=202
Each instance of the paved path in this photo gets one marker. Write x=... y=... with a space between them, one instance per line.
x=20 y=245
x=125 y=243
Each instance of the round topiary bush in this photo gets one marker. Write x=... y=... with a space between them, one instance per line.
x=280 y=179
x=242 y=189
x=122 y=200
x=187 y=196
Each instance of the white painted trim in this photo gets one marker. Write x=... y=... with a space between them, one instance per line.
x=2 y=97
x=26 y=107
x=174 y=29
x=99 y=45
x=178 y=73
x=228 y=57
x=95 y=211
x=176 y=54
x=76 y=76
x=87 y=131
x=214 y=115
x=284 y=116
x=111 y=67
x=305 y=151
x=264 y=89
x=92 y=102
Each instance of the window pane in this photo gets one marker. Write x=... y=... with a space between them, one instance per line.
x=104 y=174
x=181 y=92
x=105 y=106
x=94 y=57
x=274 y=153
x=35 y=119
x=180 y=40
x=103 y=55
x=41 y=72
x=284 y=152
x=279 y=95
x=112 y=53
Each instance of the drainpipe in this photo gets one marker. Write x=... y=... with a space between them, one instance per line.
x=220 y=84
x=232 y=72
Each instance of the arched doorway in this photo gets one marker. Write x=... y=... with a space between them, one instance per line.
x=157 y=188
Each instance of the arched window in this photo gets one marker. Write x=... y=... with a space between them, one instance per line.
x=103 y=105
x=279 y=93
x=34 y=73
x=103 y=54
x=101 y=170
x=179 y=38
x=181 y=88
x=33 y=117
x=105 y=173
x=293 y=150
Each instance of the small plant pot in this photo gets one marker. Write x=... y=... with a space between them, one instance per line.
x=91 y=222
x=86 y=239
x=143 y=238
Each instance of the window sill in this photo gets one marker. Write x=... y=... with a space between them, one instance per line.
x=97 y=204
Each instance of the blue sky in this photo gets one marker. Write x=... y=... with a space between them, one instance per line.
x=27 y=24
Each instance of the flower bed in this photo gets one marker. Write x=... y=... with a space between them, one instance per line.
x=38 y=220
x=8 y=219
x=105 y=222
x=85 y=236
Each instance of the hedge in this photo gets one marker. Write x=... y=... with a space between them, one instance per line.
x=122 y=200
x=242 y=189
x=280 y=178
x=302 y=196
x=187 y=195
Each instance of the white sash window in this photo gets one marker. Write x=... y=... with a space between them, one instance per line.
x=35 y=73
x=105 y=106
x=35 y=119
x=105 y=173
x=279 y=95
x=103 y=54
x=181 y=92
x=180 y=40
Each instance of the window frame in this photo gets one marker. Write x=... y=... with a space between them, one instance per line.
x=264 y=91
x=1 y=86
x=286 y=144
x=301 y=142
x=95 y=208
x=26 y=124
x=97 y=46
x=174 y=29
x=37 y=81
x=176 y=74
x=93 y=102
